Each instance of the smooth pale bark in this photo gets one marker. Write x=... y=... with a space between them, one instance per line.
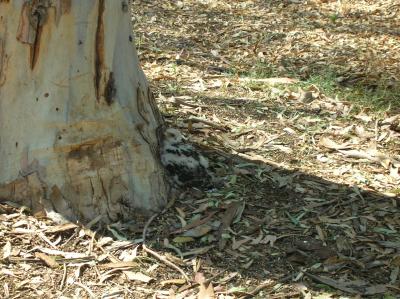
x=79 y=129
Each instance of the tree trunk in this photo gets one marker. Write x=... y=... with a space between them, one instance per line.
x=79 y=128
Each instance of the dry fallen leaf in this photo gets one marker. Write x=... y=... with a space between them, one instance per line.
x=61 y=228
x=198 y=231
x=48 y=260
x=119 y=265
x=173 y=282
x=206 y=292
x=330 y=144
x=7 y=248
x=137 y=276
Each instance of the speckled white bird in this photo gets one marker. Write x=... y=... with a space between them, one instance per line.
x=182 y=160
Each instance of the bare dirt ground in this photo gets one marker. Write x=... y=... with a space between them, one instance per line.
x=295 y=104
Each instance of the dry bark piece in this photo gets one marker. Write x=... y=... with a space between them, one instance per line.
x=48 y=260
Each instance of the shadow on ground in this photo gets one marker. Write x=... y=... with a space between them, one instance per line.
x=290 y=232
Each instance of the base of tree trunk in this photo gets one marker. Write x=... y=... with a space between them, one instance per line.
x=79 y=128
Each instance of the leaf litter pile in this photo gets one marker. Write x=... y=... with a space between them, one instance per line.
x=307 y=204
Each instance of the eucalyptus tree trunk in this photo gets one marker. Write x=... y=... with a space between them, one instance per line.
x=79 y=128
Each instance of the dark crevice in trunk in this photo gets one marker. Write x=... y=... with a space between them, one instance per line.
x=36 y=46
x=99 y=62
x=110 y=90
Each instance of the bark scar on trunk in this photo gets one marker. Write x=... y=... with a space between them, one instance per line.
x=110 y=90
x=99 y=61
x=33 y=17
x=3 y=62
x=36 y=47
x=140 y=104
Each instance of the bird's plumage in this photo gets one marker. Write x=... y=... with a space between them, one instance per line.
x=183 y=162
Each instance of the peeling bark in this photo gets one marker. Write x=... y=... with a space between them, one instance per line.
x=32 y=19
x=62 y=7
x=79 y=127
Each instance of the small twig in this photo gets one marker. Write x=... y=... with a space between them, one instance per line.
x=182 y=102
x=109 y=255
x=271 y=81
x=257 y=159
x=91 y=244
x=44 y=238
x=113 y=294
x=207 y=122
x=155 y=254
x=64 y=278
x=206 y=282
x=259 y=288
x=146 y=227
x=166 y=261
x=264 y=285
x=294 y=294
x=393 y=287
x=96 y=269
x=91 y=294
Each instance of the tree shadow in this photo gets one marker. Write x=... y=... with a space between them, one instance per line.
x=264 y=225
x=293 y=226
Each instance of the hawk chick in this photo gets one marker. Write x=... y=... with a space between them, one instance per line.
x=183 y=162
